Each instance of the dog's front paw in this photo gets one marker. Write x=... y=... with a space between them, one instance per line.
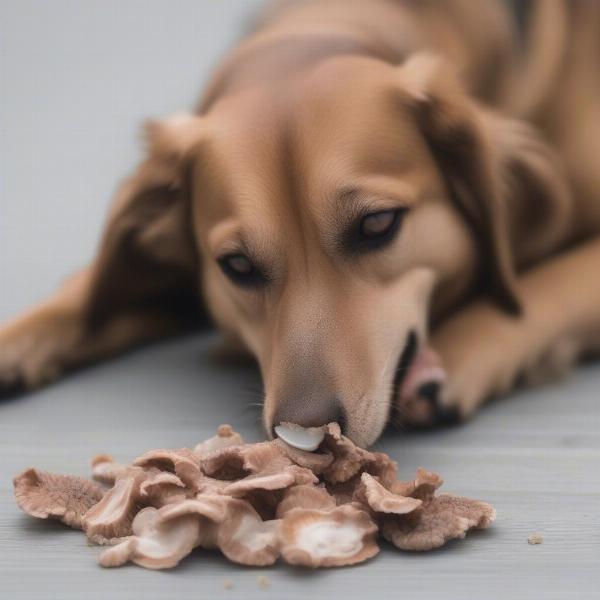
x=30 y=355
x=421 y=400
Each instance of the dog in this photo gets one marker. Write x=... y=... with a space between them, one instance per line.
x=391 y=204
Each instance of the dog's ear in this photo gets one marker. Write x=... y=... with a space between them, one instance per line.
x=147 y=255
x=492 y=166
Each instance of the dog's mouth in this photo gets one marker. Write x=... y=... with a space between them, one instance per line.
x=419 y=374
x=405 y=363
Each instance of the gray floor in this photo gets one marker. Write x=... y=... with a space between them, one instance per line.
x=75 y=78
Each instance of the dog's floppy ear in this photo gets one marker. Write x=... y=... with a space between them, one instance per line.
x=147 y=255
x=491 y=165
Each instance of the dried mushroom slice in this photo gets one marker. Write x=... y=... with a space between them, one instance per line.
x=305 y=496
x=163 y=488
x=236 y=462
x=63 y=497
x=157 y=544
x=245 y=538
x=381 y=500
x=254 y=502
x=344 y=535
x=317 y=462
x=423 y=486
x=105 y=469
x=213 y=507
x=182 y=462
x=162 y=537
x=348 y=459
x=112 y=516
x=383 y=467
x=441 y=519
x=292 y=475
x=225 y=437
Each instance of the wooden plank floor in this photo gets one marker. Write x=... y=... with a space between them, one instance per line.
x=76 y=79
x=535 y=456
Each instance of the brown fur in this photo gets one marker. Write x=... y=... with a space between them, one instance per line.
x=329 y=105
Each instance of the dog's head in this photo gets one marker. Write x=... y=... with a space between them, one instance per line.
x=327 y=215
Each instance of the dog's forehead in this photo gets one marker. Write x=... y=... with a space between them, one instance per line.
x=300 y=145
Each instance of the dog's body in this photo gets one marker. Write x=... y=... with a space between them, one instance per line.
x=382 y=229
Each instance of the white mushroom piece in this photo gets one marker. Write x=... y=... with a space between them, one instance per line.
x=333 y=537
x=63 y=497
x=303 y=438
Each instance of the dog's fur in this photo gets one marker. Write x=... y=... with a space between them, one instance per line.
x=330 y=108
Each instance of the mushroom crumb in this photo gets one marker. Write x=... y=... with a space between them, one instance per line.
x=256 y=503
x=263 y=581
x=535 y=538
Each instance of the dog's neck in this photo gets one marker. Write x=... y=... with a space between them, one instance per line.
x=304 y=33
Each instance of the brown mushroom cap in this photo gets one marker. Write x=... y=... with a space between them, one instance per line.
x=245 y=538
x=441 y=519
x=349 y=460
x=306 y=496
x=235 y=462
x=344 y=535
x=156 y=544
x=423 y=486
x=317 y=462
x=267 y=480
x=64 y=497
x=182 y=461
x=112 y=516
x=162 y=488
x=382 y=500
x=226 y=436
x=253 y=501
x=105 y=469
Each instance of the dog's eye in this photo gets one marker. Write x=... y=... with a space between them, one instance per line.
x=377 y=229
x=240 y=270
x=377 y=224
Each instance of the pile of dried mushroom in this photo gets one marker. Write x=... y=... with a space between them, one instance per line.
x=255 y=502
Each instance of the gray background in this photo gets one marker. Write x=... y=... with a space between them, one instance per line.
x=76 y=79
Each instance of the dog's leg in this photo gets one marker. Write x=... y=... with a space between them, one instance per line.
x=485 y=352
x=38 y=346
x=141 y=285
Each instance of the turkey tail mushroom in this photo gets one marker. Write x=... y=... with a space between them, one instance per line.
x=63 y=497
x=443 y=518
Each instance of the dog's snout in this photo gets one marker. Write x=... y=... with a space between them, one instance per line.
x=311 y=413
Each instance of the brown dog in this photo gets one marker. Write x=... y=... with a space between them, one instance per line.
x=383 y=201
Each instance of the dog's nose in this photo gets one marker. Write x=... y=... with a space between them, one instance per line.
x=308 y=413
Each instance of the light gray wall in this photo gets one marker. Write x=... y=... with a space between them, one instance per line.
x=76 y=80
